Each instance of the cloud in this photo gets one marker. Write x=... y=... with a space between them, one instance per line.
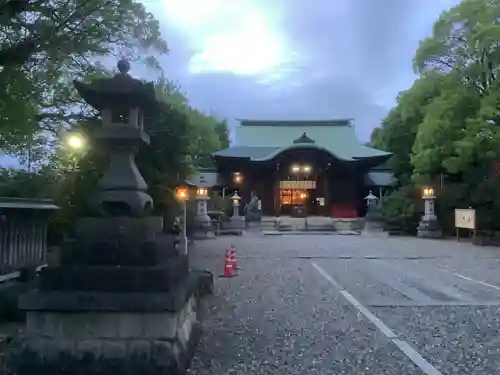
x=293 y=59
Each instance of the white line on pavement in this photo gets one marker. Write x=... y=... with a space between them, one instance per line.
x=411 y=353
x=416 y=358
x=477 y=281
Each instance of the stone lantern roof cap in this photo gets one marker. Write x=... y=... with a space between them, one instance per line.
x=371 y=197
x=120 y=90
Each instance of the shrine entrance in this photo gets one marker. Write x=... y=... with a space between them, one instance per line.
x=303 y=187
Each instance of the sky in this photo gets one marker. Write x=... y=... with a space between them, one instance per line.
x=294 y=59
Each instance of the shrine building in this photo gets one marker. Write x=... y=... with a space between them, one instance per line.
x=319 y=165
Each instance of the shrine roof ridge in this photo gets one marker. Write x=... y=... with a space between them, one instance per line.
x=298 y=123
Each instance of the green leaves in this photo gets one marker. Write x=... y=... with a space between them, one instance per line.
x=465 y=41
x=69 y=37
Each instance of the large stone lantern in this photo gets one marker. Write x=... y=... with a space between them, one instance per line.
x=122 y=296
x=429 y=225
x=203 y=222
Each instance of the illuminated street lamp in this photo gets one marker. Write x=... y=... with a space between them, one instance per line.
x=182 y=194
x=295 y=168
x=75 y=141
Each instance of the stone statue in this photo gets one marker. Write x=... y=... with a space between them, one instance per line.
x=253 y=210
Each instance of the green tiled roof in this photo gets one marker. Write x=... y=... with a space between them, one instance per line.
x=379 y=178
x=263 y=140
x=250 y=152
x=296 y=123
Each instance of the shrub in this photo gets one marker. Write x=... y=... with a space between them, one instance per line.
x=400 y=210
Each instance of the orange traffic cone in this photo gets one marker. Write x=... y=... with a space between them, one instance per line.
x=233 y=258
x=228 y=266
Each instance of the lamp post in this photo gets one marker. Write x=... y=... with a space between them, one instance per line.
x=182 y=194
x=429 y=226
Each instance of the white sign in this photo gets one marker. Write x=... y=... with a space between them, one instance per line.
x=298 y=185
x=465 y=218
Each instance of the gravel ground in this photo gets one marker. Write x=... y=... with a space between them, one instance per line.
x=281 y=316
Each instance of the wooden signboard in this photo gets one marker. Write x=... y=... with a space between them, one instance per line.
x=465 y=219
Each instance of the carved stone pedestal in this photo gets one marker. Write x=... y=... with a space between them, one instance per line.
x=429 y=229
x=373 y=227
x=237 y=222
x=95 y=332
x=125 y=299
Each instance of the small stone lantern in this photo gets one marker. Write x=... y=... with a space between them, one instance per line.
x=236 y=199
x=371 y=200
x=237 y=221
x=429 y=225
x=373 y=217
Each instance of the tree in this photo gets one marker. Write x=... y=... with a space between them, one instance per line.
x=398 y=130
x=173 y=132
x=222 y=131
x=465 y=41
x=446 y=140
x=447 y=123
x=45 y=45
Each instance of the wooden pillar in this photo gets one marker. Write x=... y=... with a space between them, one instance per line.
x=327 y=210
x=276 y=191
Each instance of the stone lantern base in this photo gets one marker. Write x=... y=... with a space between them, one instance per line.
x=373 y=226
x=429 y=228
x=122 y=301
x=203 y=227
x=237 y=222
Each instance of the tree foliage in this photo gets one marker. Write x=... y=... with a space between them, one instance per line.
x=446 y=126
x=71 y=176
x=45 y=45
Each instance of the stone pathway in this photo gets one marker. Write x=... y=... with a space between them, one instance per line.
x=351 y=305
